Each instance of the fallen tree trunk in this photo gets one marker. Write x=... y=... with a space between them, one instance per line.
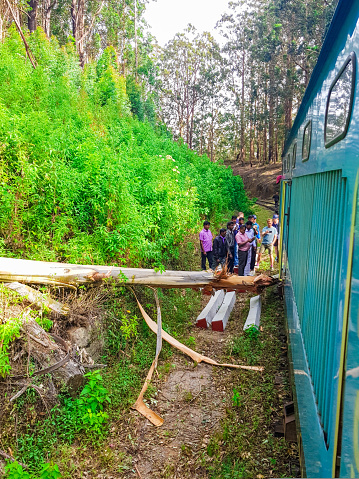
x=72 y=275
x=53 y=357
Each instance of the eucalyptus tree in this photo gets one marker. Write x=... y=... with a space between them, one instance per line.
x=190 y=79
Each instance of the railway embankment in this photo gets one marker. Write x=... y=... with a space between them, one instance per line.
x=217 y=422
x=259 y=181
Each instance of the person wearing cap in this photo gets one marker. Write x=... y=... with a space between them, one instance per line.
x=276 y=226
x=256 y=227
x=269 y=234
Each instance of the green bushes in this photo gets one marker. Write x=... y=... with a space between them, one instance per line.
x=67 y=420
x=81 y=180
x=15 y=471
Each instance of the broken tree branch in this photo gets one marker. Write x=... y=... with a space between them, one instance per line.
x=12 y=459
x=27 y=48
x=35 y=297
x=73 y=275
x=186 y=350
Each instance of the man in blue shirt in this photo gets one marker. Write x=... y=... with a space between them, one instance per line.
x=269 y=234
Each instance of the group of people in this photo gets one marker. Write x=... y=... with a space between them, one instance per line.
x=237 y=245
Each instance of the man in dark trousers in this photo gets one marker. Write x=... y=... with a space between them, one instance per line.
x=276 y=201
x=219 y=248
x=235 y=231
x=230 y=243
x=205 y=239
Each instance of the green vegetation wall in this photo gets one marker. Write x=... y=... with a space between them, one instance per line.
x=81 y=179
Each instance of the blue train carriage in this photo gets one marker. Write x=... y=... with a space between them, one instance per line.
x=320 y=254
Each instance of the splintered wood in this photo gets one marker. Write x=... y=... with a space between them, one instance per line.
x=139 y=405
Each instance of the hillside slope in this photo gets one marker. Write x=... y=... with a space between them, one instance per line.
x=259 y=181
x=81 y=179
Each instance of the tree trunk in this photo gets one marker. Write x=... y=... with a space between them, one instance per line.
x=78 y=24
x=32 y=15
x=288 y=100
x=72 y=275
x=242 y=111
x=136 y=50
x=50 y=354
x=36 y=298
x=46 y=21
x=271 y=112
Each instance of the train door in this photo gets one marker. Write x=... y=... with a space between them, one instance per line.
x=284 y=224
x=346 y=460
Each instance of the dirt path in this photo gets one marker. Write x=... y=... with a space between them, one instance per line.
x=192 y=401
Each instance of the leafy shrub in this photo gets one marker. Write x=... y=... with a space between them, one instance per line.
x=8 y=332
x=15 y=471
x=81 y=179
x=93 y=398
x=248 y=346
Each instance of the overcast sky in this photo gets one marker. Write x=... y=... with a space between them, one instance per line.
x=168 y=17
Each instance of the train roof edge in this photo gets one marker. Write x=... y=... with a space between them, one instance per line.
x=340 y=13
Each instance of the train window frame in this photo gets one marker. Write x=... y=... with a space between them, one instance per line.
x=351 y=58
x=308 y=126
x=294 y=155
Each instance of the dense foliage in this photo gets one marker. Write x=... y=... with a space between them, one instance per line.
x=81 y=180
x=236 y=101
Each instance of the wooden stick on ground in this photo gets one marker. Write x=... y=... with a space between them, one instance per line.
x=12 y=459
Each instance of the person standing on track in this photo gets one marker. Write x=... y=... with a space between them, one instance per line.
x=230 y=243
x=276 y=226
x=269 y=234
x=205 y=239
x=276 y=201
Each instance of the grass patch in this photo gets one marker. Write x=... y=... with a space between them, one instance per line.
x=246 y=446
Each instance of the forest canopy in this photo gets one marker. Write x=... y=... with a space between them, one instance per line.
x=234 y=101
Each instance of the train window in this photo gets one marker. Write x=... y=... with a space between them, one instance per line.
x=340 y=102
x=288 y=163
x=294 y=156
x=307 y=138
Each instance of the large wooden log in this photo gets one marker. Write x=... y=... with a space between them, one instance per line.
x=52 y=356
x=73 y=275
